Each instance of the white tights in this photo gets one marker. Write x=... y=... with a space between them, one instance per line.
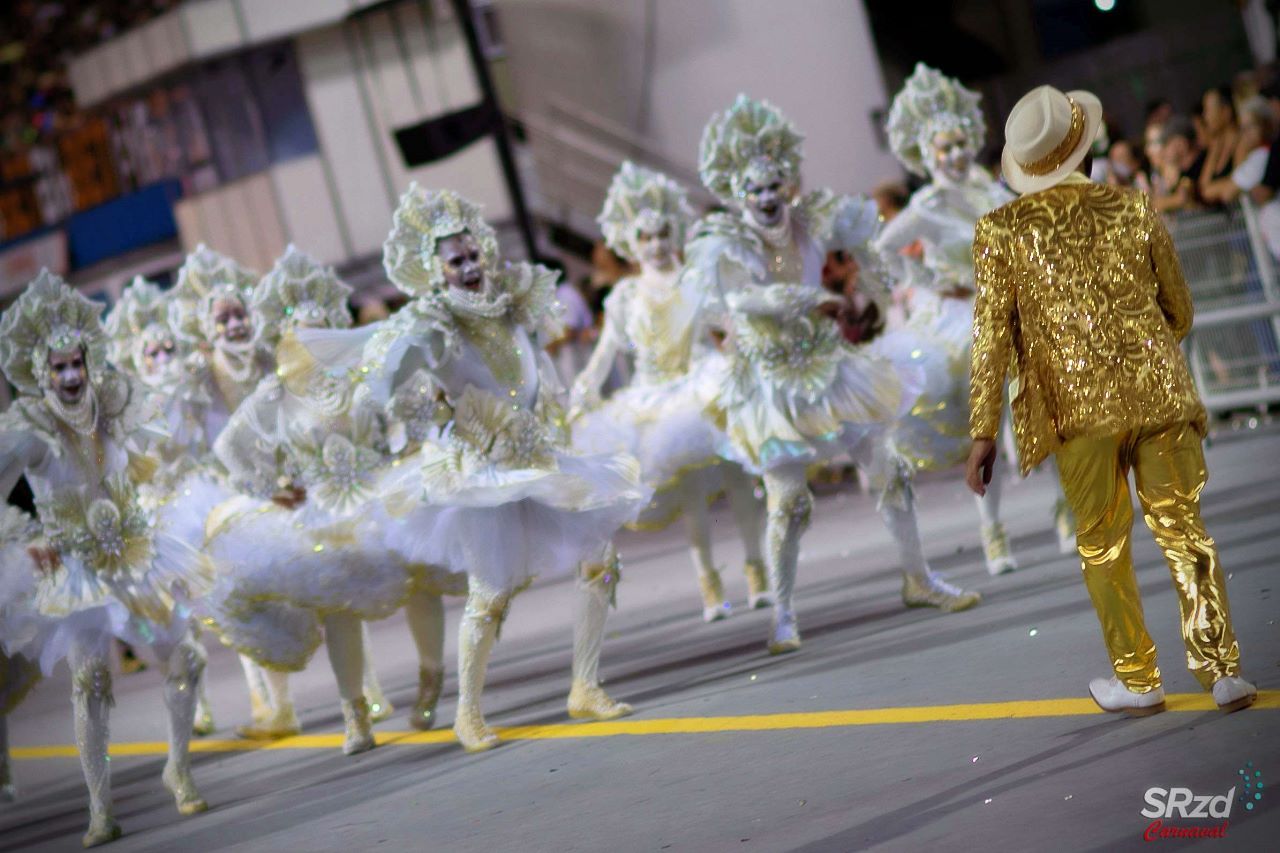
x=91 y=696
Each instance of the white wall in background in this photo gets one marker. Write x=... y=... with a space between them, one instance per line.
x=815 y=60
x=365 y=78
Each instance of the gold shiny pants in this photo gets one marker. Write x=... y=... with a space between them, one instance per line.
x=1168 y=466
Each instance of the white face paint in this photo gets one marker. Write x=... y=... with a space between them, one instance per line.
x=951 y=155
x=766 y=204
x=654 y=242
x=231 y=321
x=159 y=358
x=463 y=262
x=68 y=374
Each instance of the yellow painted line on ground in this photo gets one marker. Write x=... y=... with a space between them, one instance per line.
x=1021 y=710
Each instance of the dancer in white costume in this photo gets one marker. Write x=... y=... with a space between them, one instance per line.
x=302 y=547
x=142 y=344
x=797 y=392
x=936 y=130
x=211 y=311
x=497 y=493
x=18 y=673
x=656 y=318
x=101 y=572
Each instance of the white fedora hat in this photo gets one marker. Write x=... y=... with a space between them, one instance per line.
x=1047 y=135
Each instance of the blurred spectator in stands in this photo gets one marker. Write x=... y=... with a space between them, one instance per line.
x=890 y=198
x=1153 y=151
x=1256 y=131
x=1158 y=112
x=1180 y=163
x=1125 y=168
x=371 y=311
x=1271 y=94
x=1258 y=175
x=1222 y=142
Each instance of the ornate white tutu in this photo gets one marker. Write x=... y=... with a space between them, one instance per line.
x=140 y=594
x=280 y=571
x=183 y=513
x=663 y=425
x=517 y=509
x=796 y=392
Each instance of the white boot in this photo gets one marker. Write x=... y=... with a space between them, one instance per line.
x=929 y=590
x=430 y=682
x=477 y=632
x=995 y=545
x=920 y=586
x=260 y=709
x=345 y=645
x=281 y=720
x=425 y=614
x=1114 y=697
x=379 y=708
x=596 y=590
x=203 y=724
x=759 y=596
x=714 y=607
x=1233 y=693
x=789 y=506
x=358 y=728
x=92 y=700
x=995 y=541
x=786 y=634
x=751 y=516
x=181 y=675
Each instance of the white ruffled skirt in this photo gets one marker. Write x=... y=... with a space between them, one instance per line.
x=504 y=526
x=934 y=434
x=281 y=571
x=183 y=513
x=43 y=615
x=667 y=428
x=772 y=420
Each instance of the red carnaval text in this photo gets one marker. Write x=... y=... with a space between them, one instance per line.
x=1157 y=831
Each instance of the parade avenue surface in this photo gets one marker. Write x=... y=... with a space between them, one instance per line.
x=891 y=729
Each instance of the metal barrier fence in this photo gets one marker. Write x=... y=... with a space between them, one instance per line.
x=1234 y=346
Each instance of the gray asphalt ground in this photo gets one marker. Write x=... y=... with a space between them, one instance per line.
x=1074 y=781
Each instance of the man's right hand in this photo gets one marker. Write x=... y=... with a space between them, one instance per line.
x=45 y=557
x=981 y=465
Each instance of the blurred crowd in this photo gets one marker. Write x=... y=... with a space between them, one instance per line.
x=1208 y=156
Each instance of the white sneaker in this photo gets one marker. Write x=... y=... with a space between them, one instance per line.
x=1113 y=696
x=1233 y=693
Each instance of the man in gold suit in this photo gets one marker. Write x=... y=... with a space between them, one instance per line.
x=1080 y=287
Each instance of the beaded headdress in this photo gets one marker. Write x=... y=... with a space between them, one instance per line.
x=300 y=288
x=423 y=219
x=206 y=277
x=751 y=137
x=140 y=316
x=931 y=103
x=49 y=316
x=640 y=197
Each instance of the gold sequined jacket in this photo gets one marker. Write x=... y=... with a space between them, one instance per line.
x=1080 y=293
